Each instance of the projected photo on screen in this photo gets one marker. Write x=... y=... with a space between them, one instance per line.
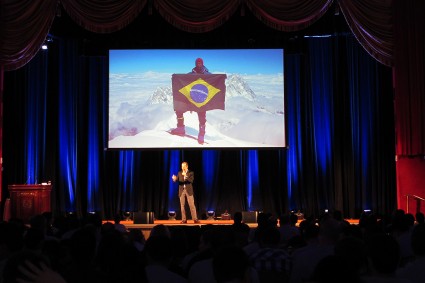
x=226 y=98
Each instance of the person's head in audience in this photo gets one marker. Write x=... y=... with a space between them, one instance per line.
x=107 y=227
x=136 y=235
x=329 y=231
x=337 y=215
x=270 y=237
x=353 y=251
x=231 y=265
x=265 y=219
x=160 y=230
x=293 y=219
x=284 y=220
x=93 y=219
x=410 y=219
x=11 y=239
x=83 y=245
x=334 y=269
x=158 y=250
x=418 y=240
x=39 y=222
x=241 y=232
x=237 y=217
x=383 y=253
x=33 y=239
x=117 y=218
x=311 y=232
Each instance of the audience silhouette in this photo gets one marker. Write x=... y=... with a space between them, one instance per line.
x=381 y=248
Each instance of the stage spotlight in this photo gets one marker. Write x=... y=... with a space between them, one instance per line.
x=70 y=214
x=126 y=215
x=45 y=45
x=210 y=214
x=225 y=216
x=171 y=215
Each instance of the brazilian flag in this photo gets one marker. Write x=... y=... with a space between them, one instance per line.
x=198 y=92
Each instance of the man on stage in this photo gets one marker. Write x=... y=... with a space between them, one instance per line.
x=185 y=179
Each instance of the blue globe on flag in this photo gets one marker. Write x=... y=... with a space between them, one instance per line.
x=199 y=93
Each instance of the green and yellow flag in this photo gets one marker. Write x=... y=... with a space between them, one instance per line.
x=198 y=92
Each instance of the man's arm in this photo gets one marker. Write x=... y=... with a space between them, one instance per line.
x=190 y=177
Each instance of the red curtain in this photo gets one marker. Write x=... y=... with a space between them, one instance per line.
x=103 y=16
x=197 y=16
x=289 y=15
x=24 y=26
x=371 y=22
x=409 y=77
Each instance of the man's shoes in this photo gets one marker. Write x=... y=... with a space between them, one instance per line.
x=183 y=222
x=179 y=131
x=196 y=221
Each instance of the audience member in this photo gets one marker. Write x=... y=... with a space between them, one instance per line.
x=159 y=256
x=288 y=228
x=415 y=270
x=29 y=266
x=384 y=258
x=231 y=265
x=353 y=251
x=420 y=218
x=117 y=224
x=271 y=262
x=137 y=238
x=305 y=259
x=334 y=269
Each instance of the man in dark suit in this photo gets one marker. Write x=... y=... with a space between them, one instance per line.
x=185 y=179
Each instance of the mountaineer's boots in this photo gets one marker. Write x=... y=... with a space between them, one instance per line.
x=201 y=134
x=180 y=130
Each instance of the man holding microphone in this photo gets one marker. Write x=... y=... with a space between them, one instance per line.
x=185 y=179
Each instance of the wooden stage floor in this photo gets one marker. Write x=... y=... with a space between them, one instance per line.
x=146 y=228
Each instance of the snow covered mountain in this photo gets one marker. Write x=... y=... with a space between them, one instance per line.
x=253 y=116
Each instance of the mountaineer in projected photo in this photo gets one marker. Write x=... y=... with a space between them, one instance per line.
x=199 y=93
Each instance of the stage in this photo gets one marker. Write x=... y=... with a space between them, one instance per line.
x=146 y=228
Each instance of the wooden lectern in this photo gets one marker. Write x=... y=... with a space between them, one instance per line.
x=27 y=201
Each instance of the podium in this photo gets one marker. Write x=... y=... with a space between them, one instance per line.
x=27 y=201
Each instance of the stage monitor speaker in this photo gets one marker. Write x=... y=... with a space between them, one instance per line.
x=142 y=217
x=249 y=216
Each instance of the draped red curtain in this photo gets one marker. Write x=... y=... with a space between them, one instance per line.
x=289 y=15
x=392 y=31
x=371 y=22
x=24 y=26
x=25 y=23
x=197 y=16
x=103 y=16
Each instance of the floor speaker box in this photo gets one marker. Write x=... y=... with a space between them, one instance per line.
x=143 y=217
x=249 y=216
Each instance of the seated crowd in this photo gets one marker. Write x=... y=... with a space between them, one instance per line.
x=280 y=249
